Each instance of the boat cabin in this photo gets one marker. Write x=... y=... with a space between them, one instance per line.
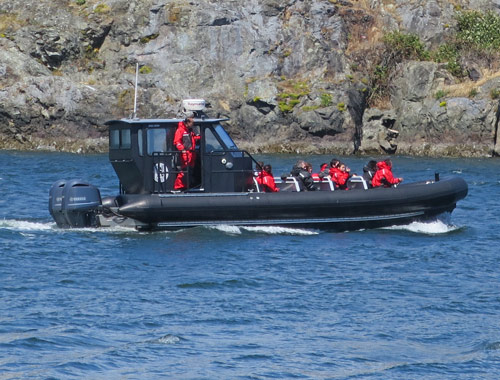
x=145 y=159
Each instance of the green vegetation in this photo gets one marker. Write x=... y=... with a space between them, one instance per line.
x=145 y=40
x=403 y=46
x=495 y=93
x=477 y=35
x=102 y=8
x=478 y=29
x=440 y=94
x=442 y=104
x=341 y=107
x=473 y=92
x=291 y=97
x=450 y=53
x=80 y=2
x=145 y=69
x=326 y=99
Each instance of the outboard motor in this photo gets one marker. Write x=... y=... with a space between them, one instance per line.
x=74 y=203
x=55 y=203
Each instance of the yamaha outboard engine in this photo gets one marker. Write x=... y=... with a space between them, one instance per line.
x=74 y=203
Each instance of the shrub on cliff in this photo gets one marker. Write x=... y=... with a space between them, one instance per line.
x=479 y=30
x=402 y=46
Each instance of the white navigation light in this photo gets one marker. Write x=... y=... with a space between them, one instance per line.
x=193 y=104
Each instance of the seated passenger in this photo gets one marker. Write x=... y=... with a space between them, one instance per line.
x=369 y=171
x=383 y=176
x=323 y=172
x=341 y=176
x=266 y=180
x=258 y=168
x=334 y=163
x=302 y=171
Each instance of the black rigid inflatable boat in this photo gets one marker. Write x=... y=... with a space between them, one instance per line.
x=223 y=189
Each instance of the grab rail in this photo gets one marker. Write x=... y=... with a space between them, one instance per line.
x=358 y=179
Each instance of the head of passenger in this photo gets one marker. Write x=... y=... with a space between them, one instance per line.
x=342 y=167
x=334 y=163
x=308 y=167
x=268 y=169
x=301 y=164
x=372 y=165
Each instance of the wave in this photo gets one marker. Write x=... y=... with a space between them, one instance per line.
x=270 y=230
x=167 y=339
x=435 y=227
x=23 y=225
x=28 y=226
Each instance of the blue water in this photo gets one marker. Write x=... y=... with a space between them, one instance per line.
x=415 y=302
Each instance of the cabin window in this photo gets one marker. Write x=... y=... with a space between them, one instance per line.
x=211 y=142
x=114 y=139
x=119 y=139
x=157 y=140
x=139 y=142
x=125 y=139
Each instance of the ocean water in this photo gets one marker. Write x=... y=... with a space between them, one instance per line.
x=420 y=301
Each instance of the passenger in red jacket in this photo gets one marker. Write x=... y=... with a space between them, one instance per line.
x=323 y=172
x=334 y=167
x=341 y=176
x=185 y=141
x=383 y=176
x=266 y=180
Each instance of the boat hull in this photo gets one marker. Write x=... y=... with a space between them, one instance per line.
x=332 y=210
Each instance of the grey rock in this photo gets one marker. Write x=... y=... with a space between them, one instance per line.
x=66 y=68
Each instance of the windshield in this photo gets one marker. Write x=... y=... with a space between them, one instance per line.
x=226 y=139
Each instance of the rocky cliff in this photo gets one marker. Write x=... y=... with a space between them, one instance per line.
x=293 y=75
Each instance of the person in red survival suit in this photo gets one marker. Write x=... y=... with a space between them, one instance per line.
x=341 y=176
x=334 y=167
x=266 y=179
x=185 y=141
x=323 y=172
x=383 y=176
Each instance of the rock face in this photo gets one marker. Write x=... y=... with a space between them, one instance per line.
x=285 y=72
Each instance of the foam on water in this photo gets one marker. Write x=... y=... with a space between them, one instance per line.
x=271 y=230
x=435 y=227
x=27 y=226
x=23 y=225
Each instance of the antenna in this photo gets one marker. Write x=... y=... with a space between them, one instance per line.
x=135 y=89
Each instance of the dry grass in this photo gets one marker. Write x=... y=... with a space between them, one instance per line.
x=465 y=88
x=10 y=22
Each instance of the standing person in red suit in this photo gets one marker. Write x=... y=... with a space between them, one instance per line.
x=383 y=176
x=266 y=179
x=185 y=141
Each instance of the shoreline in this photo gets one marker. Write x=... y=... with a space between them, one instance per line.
x=100 y=145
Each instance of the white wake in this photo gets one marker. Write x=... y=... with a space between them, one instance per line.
x=271 y=230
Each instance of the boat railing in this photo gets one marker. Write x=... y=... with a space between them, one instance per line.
x=325 y=184
x=287 y=183
x=291 y=183
x=357 y=182
x=256 y=185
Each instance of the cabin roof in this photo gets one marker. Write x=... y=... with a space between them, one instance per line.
x=163 y=121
